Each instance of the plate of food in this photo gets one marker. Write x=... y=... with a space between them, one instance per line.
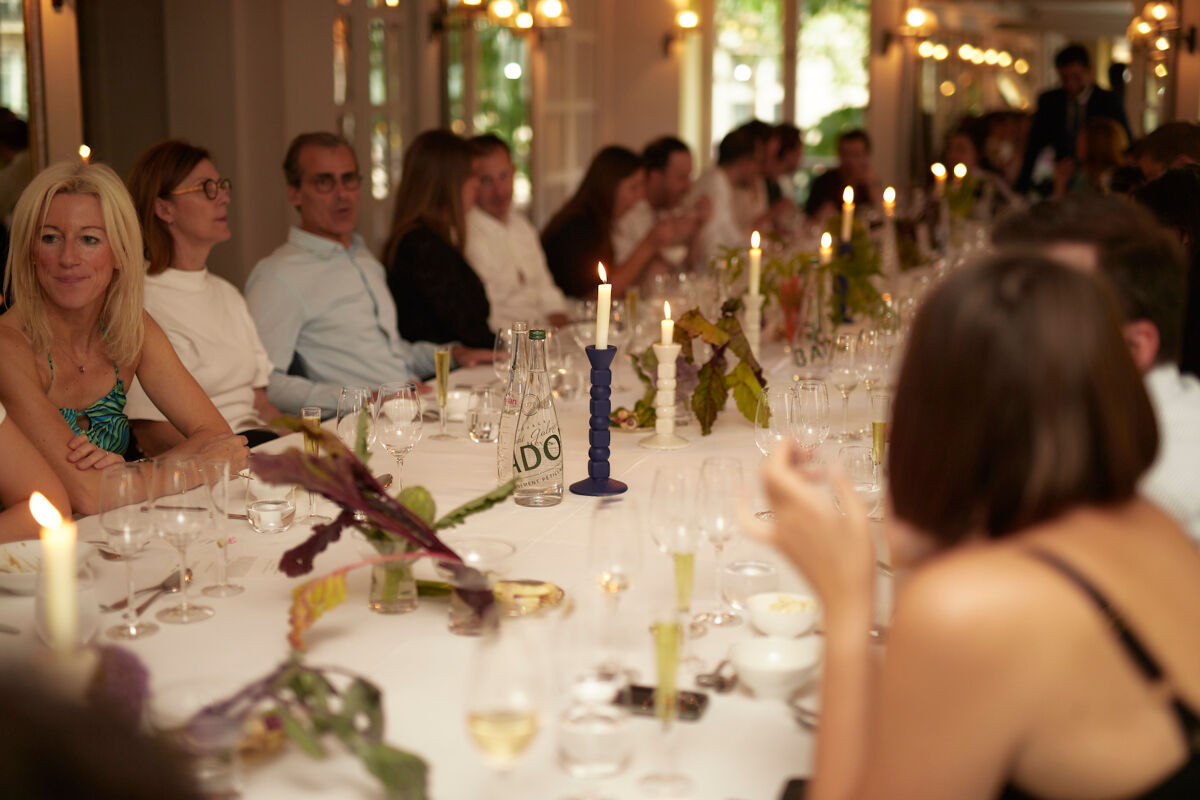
x=21 y=561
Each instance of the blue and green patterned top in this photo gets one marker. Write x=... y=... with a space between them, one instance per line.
x=103 y=422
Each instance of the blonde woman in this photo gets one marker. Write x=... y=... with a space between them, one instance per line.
x=76 y=334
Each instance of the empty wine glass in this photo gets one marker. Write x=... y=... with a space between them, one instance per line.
x=352 y=401
x=721 y=483
x=614 y=557
x=859 y=466
x=843 y=374
x=772 y=425
x=179 y=512
x=810 y=414
x=398 y=422
x=502 y=355
x=123 y=518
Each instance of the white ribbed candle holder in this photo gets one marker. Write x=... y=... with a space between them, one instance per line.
x=752 y=320
x=664 y=436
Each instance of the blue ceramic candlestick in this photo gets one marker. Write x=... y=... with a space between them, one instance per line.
x=597 y=483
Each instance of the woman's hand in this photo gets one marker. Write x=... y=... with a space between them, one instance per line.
x=85 y=455
x=834 y=551
x=471 y=356
x=227 y=446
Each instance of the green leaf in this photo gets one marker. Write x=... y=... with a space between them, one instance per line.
x=404 y=776
x=746 y=389
x=360 y=436
x=361 y=703
x=709 y=397
x=696 y=325
x=420 y=502
x=433 y=589
x=481 y=503
x=295 y=731
x=738 y=343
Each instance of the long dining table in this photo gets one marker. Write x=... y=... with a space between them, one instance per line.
x=743 y=748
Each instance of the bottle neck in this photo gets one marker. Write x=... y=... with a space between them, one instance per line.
x=520 y=358
x=537 y=355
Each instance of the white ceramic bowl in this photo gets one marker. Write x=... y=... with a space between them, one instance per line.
x=783 y=613
x=21 y=561
x=774 y=667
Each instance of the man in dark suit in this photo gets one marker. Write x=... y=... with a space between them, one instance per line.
x=1062 y=112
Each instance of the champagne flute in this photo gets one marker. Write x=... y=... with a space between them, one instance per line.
x=216 y=480
x=667 y=780
x=721 y=480
x=311 y=417
x=881 y=409
x=674 y=530
x=843 y=374
x=772 y=426
x=352 y=401
x=503 y=703
x=179 y=517
x=122 y=494
x=810 y=414
x=398 y=422
x=441 y=361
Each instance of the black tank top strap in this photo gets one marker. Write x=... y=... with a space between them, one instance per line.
x=1129 y=642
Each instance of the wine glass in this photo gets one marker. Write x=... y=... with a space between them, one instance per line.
x=843 y=374
x=503 y=702
x=441 y=361
x=721 y=481
x=352 y=401
x=310 y=416
x=502 y=355
x=614 y=557
x=810 y=414
x=216 y=480
x=859 y=466
x=179 y=515
x=123 y=518
x=772 y=425
x=398 y=422
x=881 y=411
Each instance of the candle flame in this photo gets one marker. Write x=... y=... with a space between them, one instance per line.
x=85 y=152
x=666 y=309
x=826 y=240
x=938 y=170
x=754 y=240
x=960 y=171
x=848 y=196
x=603 y=274
x=44 y=511
x=889 y=195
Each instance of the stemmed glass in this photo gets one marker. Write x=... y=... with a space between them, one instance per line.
x=216 y=479
x=502 y=355
x=123 y=517
x=772 y=425
x=311 y=417
x=667 y=781
x=351 y=402
x=721 y=479
x=881 y=409
x=860 y=469
x=503 y=702
x=810 y=414
x=614 y=556
x=398 y=422
x=843 y=374
x=179 y=516
x=441 y=361
x=674 y=530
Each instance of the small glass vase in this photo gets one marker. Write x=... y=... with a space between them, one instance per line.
x=393 y=586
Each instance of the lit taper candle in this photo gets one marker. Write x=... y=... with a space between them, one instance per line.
x=58 y=573
x=847 y=213
x=755 y=264
x=603 y=308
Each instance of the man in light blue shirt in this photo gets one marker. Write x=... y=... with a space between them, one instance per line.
x=321 y=301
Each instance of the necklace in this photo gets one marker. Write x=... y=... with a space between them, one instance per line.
x=80 y=364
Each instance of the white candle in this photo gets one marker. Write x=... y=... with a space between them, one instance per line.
x=960 y=172
x=889 y=202
x=58 y=573
x=603 y=308
x=826 y=248
x=939 y=174
x=755 y=264
x=847 y=213
x=85 y=153
x=668 y=325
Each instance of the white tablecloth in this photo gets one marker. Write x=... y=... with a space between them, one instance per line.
x=743 y=747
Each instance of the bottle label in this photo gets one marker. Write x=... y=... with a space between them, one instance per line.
x=530 y=456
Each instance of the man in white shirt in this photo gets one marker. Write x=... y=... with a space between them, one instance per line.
x=1144 y=266
x=321 y=301
x=737 y=167
x=504 y=248
x=668 y=165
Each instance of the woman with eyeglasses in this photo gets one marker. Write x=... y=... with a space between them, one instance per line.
x=439 y=298
x=183 y=205
x=76 y=335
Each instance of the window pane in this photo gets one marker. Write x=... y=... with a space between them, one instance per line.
x=831 y=72
x=455 y=81
x=503 y=87
x=379 y=157
x=747 y=64
x=341 y=59
x=376 y=73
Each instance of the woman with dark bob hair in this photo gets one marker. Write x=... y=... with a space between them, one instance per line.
x=1046 y=641
x=76 y=334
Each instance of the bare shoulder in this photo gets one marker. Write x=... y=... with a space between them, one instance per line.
x=19 y=359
